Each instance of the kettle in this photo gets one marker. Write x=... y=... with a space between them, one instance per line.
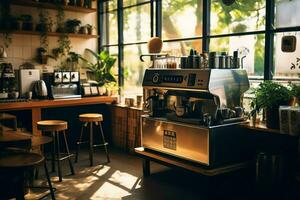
x=40 y=90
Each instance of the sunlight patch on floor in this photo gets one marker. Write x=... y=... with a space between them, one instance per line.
x=109 y=191
x=123 y=179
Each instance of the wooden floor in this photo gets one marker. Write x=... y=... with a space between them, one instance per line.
x=122 y=179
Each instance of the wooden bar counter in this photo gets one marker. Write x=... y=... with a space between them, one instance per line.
x=36 y=106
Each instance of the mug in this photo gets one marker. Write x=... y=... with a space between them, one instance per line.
x=129 y=102
x=139 y=100
x=29 y=95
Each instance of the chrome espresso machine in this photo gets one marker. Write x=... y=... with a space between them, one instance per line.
x=193 y=114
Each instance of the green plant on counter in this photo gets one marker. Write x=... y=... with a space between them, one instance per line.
x=102 y=68
x=270 y=95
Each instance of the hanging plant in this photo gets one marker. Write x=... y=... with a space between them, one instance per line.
x=6 y=22
x=44 y=27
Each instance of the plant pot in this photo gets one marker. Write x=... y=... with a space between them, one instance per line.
x=75 y=29
x=83 y=30
x=272 y=118
x=80 y=3
x=72 y=2
x=88 y=3
x=17 y=25
x=27 y=26
x=41 y=28
x=90 y=31
x=65 y=2
x=13 y=95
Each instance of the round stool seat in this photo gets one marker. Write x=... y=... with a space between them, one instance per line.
x=52 y=125
x=19 y=159
x=91 y=117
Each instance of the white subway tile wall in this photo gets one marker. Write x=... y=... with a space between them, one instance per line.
x=24 y=47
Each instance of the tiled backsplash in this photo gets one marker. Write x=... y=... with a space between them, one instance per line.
x=23 y=47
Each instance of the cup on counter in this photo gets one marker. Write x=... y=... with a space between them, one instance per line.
x=29 y=95
x=129 y=102
x=139 y=101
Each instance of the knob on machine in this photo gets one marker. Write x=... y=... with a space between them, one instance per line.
x=155 y=78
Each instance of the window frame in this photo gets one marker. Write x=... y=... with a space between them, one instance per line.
x=269 y=32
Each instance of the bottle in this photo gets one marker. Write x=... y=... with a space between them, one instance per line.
x=190 y=59
x=235 y=60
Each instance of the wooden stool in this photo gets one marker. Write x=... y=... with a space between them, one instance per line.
x=16 y=162
x=9 y=117
x=56 y=127
x=91 y=118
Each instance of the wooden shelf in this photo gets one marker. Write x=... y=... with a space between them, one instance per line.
x=54 y=34
x=52 y=6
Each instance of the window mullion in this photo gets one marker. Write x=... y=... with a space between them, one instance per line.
x=206 y=25
x=269 y=40
x=120 y=46
x=158 y=17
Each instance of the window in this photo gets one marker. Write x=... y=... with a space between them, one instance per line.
x=181 y=19
x=286 y=64
x=257 y=26
x=241 y=16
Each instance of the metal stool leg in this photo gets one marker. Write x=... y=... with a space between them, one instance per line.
x=68 y=152
x=49 y=181
x=58 y=156
x=78 y=144
x=105 y=144
x=91 y=144
x=53 y=151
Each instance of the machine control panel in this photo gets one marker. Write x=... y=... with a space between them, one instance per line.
x=193 y=79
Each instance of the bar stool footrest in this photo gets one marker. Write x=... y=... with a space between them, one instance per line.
x=62 y=157
x=84 y=142
x=100 y=145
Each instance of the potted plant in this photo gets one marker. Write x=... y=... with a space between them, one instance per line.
x=16 y=23
x=89 y=29
x=269 y=96
x=45 y=22
x=5 y=22
x=101 y=70
x=72 y=25
x=83 y=30
x=27 y=23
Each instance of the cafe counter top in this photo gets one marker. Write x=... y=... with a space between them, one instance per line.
x=36 y=106
x=56 y=103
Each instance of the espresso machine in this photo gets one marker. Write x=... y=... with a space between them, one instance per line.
x=194 y=114
x=65 y=84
